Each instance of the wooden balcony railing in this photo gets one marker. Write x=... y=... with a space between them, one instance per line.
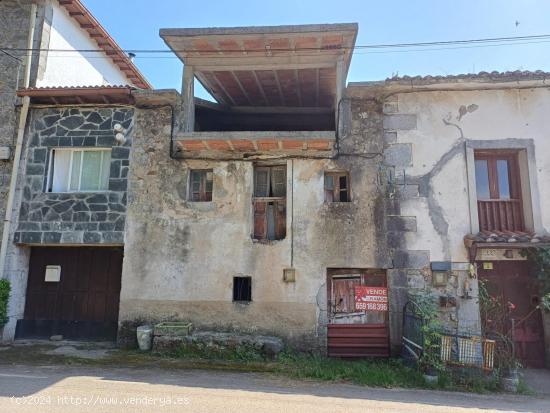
x=500 y=215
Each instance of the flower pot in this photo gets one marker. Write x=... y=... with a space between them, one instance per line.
x=144 y=337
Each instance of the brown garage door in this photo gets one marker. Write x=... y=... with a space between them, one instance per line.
x=83 y=304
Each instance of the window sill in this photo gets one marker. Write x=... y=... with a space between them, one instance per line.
x=243 y=303
x=267 y=241
x=103 y=191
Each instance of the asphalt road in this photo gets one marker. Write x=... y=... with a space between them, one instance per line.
x=91 y=389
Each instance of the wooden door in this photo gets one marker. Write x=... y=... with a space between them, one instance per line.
x=511 y=283
x=353 y=333
x=85 y=301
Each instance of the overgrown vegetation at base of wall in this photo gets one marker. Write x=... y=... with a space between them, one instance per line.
x=5 y=289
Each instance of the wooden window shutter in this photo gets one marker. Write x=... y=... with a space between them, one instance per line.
x=280 y=220
x=260 y=220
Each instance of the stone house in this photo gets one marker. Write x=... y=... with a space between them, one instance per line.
x=51 y=107
x=294 y=205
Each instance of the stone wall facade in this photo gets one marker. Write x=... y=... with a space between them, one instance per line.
x=181 y=256
x=82 y=217
x=14 y=23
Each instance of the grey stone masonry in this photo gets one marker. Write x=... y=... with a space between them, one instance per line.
x=74 y=217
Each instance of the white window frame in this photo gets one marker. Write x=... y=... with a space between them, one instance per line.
x=68 y=186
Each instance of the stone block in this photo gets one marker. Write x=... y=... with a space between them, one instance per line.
x=401 y=223
x=416 y=259
x=400 y=121
x=28 y=237
x=399 y=155
x=51 y=237
x=118 y=184
x=390 y=137
x=73 y=237
x=92 y=238
x=173 y=328
x=120 y=152
x=113 y=237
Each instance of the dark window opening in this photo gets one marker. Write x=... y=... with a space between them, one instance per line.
x=498 y=191
x=269 y=202
x=200 y=185
x=242 y=289
x=337 y=187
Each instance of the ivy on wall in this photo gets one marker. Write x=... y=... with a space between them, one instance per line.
x=539 y=258
x=4 y=296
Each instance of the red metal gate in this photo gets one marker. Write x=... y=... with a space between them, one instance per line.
x=511 y=282
x=352 y=333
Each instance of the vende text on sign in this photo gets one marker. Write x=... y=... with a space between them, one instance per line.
x=371 y=298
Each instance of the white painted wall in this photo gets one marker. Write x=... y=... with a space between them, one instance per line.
x=501 y=114
x=75 y=68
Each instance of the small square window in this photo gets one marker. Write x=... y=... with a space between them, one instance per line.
x=200 y=185
x=242 y=289
x=337 y=187
x=79 y=170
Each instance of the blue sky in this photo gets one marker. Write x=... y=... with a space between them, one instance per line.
x=135 y=25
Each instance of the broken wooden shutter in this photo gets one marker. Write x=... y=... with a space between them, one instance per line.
x=329 y=188
x=343 y=188
x=280 y=219
x=260 y=220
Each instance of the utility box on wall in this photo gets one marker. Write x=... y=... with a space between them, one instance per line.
x=5 y=153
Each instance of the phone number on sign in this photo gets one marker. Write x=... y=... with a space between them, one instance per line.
x=371 y=306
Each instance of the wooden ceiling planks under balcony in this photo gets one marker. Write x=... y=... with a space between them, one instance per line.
x=292 y=66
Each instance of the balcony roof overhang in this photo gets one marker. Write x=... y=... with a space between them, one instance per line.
x=271 y=66
x=251 y=145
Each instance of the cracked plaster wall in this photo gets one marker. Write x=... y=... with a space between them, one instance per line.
x=181 y=257
x=433 y=175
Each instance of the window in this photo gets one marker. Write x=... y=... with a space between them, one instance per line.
x=200 y=185
x=269 y=202
x=242 y=289
x=79 y=170
x=498 y=191
x=337 y=187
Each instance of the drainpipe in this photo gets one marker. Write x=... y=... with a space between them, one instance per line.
x=18 y=146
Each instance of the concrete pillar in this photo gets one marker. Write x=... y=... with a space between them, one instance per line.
x=188 y=94
x=340 y=85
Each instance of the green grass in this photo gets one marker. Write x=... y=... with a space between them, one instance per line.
x=387 y=373
x=376 y=373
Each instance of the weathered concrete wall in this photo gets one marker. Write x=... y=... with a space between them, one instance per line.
x=74 y=218
x=426 y=134
x=181 y=257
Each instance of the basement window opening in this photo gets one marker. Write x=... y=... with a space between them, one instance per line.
x=337 y=187
x=200 y=185
x=242 y=289
x=269 y=202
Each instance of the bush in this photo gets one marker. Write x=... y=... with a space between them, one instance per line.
x=4 y=296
